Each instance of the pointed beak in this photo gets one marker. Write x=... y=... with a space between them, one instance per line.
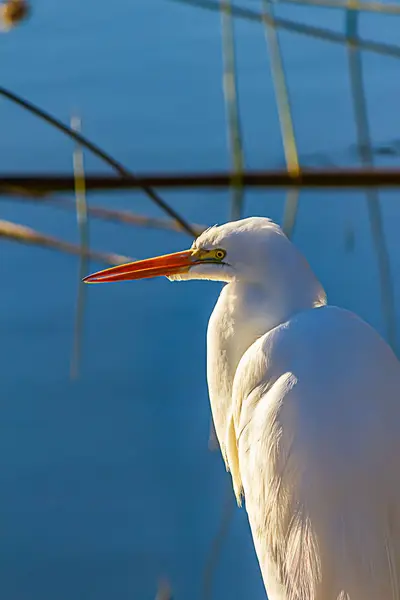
x=169 y=264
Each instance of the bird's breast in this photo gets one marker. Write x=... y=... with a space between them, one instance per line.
x=237 y=321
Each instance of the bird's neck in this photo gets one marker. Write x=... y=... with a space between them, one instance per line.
x=243 y=313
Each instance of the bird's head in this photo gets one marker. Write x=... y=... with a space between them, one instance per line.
x=253 y=250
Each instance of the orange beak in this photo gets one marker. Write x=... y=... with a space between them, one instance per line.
x=169 y=264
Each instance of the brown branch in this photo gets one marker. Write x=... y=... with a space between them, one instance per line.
x=307 y=178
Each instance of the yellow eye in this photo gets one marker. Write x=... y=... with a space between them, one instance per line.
x=220 y=254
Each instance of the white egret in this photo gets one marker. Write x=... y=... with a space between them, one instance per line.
x=306 y=404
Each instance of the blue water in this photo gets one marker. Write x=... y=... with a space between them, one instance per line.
x=107 y=483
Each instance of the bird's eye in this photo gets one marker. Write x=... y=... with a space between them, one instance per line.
x=220 y=254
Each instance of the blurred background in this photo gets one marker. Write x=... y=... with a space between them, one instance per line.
x=106 y=480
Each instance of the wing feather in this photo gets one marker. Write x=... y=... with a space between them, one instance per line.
x=313 y=442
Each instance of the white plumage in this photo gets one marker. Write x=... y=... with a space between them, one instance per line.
x=306 y=404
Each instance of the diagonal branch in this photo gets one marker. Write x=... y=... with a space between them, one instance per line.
x=107 y=158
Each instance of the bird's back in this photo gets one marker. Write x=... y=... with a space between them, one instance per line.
x=314 y=441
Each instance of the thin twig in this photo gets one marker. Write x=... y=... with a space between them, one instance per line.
x=82 y=219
